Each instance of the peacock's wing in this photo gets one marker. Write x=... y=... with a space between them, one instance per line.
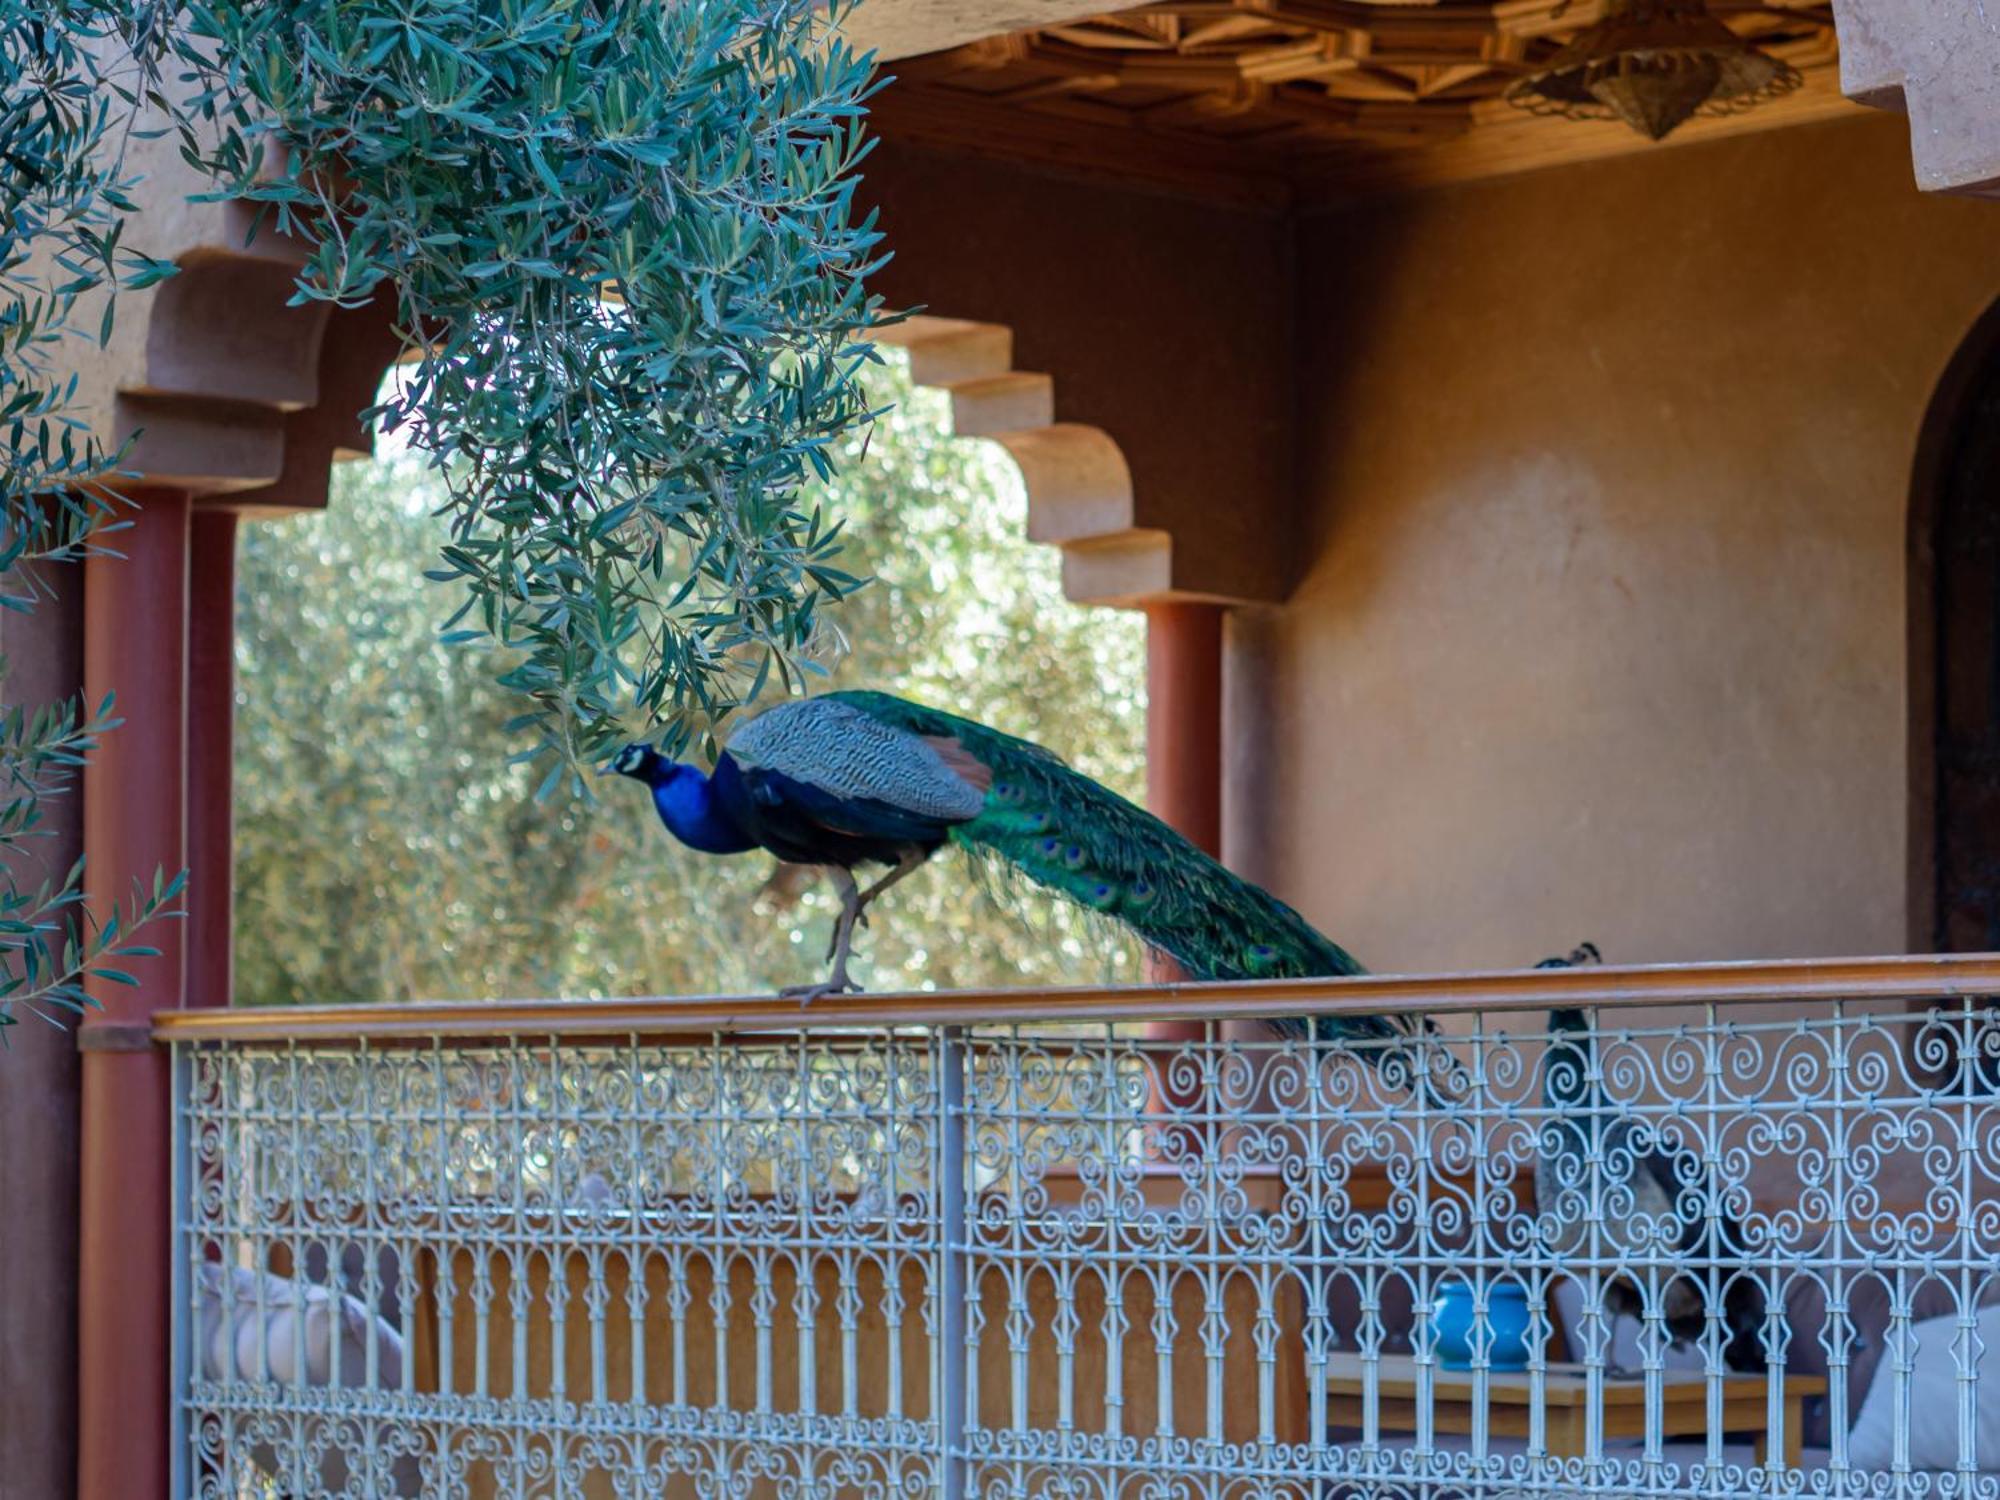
x=823 y=781
x=1674 y=1176
x=1647 y=1193
x=1064 y=831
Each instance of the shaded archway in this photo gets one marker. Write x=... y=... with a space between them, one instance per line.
x=1954 y=657
x=1080 y=498
x=1078 y=482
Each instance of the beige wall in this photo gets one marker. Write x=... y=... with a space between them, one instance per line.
x=1599 y=630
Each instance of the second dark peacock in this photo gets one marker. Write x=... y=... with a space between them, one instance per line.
x=1620 y=1190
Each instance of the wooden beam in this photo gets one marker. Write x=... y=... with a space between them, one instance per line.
x=1308 y=59
x=1104 y=40
x=1217 y=171
x=1442 y=80
x=1072 y=83
x=1337 y=98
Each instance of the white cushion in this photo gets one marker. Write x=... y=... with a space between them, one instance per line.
x=1933 y=1398
x=228 y=1341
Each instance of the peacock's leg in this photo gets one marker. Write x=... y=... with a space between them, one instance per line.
x=836 y=983
x=853 y=904
x=850 y=911
x=909 y=862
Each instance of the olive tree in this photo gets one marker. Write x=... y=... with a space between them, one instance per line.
x=619 y=240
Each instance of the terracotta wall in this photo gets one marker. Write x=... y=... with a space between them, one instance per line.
x=39 y=1111
x=1600 y=624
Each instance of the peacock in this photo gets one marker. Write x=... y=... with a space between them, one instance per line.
x=848 y=779
x=1652 y=1196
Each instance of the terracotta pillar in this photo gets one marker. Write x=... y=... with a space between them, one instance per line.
x=135 y=644
x=211 y=754
x=1183 y=768
x=40 y=1108
x=1184 y=720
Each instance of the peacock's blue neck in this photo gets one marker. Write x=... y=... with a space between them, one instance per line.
x=687 y=804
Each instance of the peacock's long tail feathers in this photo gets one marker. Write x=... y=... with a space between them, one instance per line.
x=1065 y=832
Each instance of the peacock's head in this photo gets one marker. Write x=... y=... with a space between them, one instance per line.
x=641 y=761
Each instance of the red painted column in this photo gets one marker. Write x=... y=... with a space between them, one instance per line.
x=1183 y=778
x=1184 y=720
x=135 y=644
x=211 y=709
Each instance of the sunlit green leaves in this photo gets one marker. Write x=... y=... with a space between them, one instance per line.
x=622 y=235
x=50 y=943
x=619 y=235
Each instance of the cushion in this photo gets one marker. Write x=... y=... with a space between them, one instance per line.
x=1933 y=1398
x=228 y=1341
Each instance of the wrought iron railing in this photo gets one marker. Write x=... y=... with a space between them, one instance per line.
x=1738 y=1236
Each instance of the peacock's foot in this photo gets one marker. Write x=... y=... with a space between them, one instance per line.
x=805 y=994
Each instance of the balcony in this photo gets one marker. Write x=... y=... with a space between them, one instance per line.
x=1021 y=1244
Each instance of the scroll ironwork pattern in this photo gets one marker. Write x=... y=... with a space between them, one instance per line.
x=1751 y=1250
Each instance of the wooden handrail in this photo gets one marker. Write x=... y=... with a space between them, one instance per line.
x=1924 y=977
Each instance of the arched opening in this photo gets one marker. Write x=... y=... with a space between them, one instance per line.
x=1954 y=676
x=385 y=847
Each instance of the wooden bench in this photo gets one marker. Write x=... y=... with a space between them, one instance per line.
x=1565 y=1402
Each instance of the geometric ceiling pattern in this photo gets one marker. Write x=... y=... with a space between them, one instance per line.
x=1284 y=93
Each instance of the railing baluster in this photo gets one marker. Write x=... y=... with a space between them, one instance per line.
x=722 y=1101
x=184 y=1252
x=1711 y=1087
x=1603 y=1332
x=1482 y=1239
x=1424 y=1335
x=952 y=1213
x=1318 y=1332
x=1965 y=1250
x=1839 y=1332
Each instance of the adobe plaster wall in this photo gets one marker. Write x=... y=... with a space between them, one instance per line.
x=1599 y=630
x=169 y=226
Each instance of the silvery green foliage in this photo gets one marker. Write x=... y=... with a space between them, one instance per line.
x=50 y=942
x=67 y=80
x=619 y=238
x=69 y=73
x=618 y=235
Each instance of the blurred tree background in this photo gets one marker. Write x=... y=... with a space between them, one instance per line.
x=386 y=850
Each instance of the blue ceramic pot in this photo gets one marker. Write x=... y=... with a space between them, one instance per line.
x=1506 y=1321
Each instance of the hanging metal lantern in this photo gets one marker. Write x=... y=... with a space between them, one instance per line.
x=1653 y=64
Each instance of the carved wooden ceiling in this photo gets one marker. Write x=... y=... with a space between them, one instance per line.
x=1274 y=99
